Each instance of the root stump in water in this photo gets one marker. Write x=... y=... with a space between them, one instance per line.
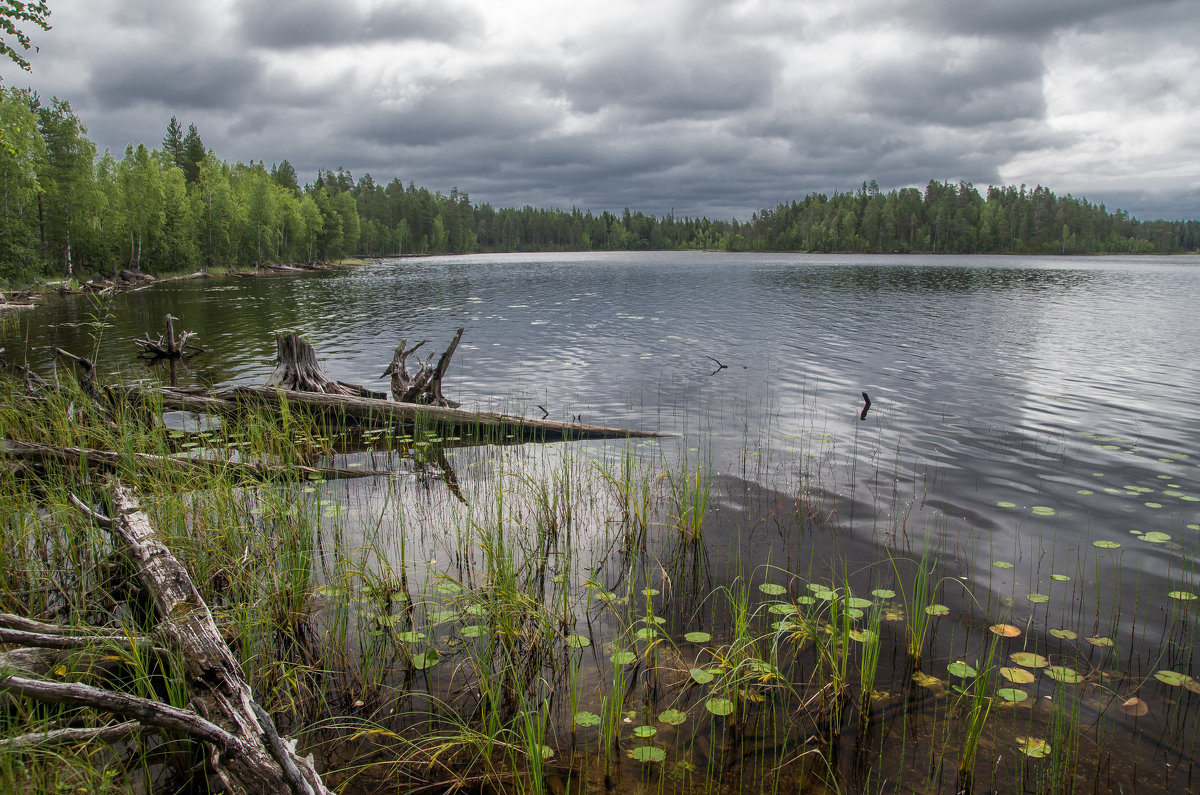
x=297 y=369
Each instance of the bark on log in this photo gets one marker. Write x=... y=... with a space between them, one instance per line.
x=41 y=455
x=425 y=386
x=219 y=692
x=297 y=369
x=111 y=734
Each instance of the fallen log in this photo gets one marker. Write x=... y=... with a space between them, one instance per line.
x=41 y=455
x=218 y=690
x=474 y=427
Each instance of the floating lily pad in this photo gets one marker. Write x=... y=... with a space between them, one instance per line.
x=425 y=659
x=1006 y=504
x=438 y=616
x=1017 y=676
x=672 y=717
x=1171 y=678
x=1064 y=634
x=863 y=635
x=1100 y=640
x=1155 y=537
x=646 y=633
x=622 y=657
x=1105 y=544
x=1061 y=673
x=937 y=610
x=448 y=587
x=648 y=753
x=1037 y=598
x=961 y=669
x=697 y=637
x=883 y=593
x=782 y=609
x=1043 y=510
x=1135 y=707
x=700 y=676
x=1028 y=659
x=578 y=641
x=1033 y=747
x=854 y=612
x=1185 y=596
x=1012 y=695
x=1001 y=564
x=1060 y=577
x=650 y=592
x=858 y=603
x=644 y=731
x=719 y=706
x=1005 y=630
x=772 y=589
x=1084 y=492
x=585 y=718
x=473 y=631
x=410 y=637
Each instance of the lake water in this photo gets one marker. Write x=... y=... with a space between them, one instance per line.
x=1022 y=409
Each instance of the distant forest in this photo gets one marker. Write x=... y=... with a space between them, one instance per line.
x=66 y=210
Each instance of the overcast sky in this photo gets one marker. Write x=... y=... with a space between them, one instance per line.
x=704 y=106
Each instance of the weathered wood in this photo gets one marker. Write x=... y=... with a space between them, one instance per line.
x=425 y=386
x=41 y=455
x=109 y=734
x=170 y=347
x=472 y=426
x=297 y=369
x=218 y=689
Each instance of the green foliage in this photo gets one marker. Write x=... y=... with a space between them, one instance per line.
x=12 y=14
x=63 y=210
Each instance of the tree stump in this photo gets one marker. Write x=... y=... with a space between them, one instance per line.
x=425 y=386
x=297 y=369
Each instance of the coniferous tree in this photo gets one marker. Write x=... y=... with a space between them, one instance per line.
x=193 y=154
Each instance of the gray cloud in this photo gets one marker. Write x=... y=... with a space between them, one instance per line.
x=714 y=107
x=309 y=23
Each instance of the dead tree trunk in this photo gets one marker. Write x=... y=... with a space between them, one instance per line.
x=297 y=369
x=219 y=693
x=424 y=387
x=170 y=348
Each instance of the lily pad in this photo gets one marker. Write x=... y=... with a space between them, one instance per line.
x=1037 y=598
x=1005 y=630
x=1184 y=596
x=1033 y=747
x=1012 y=695
x=719 y=706
x=772 y=589
x=1006 y=504
x=883 y=593
x=1171 y=678
x=410 y=637
x=1155 y=537
x=1028 y=659
x=1060 y=577
x=1105 y=544
x=672 y=717
x=425 y=659
x=697 y=637
x=585 y=718
x=473 y=631
x=863 y=635
x=622 y=657
x=648 y=753
x=937 y=610
x=782 y=609
x=1135 y=707
x=1002 y=564
x=1061 y=673
x=1064 y=634
x=1018 y=676
x=578 y=641
x=1043 y=510
x=700 y=676
x=1100 y=640
x=961 y=669
x=644 y=731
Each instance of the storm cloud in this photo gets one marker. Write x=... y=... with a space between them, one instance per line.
x=707 y=107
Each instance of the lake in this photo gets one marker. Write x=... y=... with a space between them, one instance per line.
x=1034 y=426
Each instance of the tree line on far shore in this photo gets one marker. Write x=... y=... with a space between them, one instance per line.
x=66 y=210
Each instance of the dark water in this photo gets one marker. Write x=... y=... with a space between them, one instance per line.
x=1022 y=408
